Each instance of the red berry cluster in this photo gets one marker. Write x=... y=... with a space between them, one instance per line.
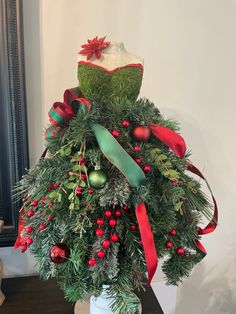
x=140 y=133
x=53 y=186
x=169 y=244
x=100 y=232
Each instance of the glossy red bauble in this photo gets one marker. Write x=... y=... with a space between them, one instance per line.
x=147 y=168
x=34 y=203
x=115 y=133
x=56 y=185
x=138 y=161
x=99 y=232
x=50 y=188
x=79 y=190
x=169 y=244
x=42 y=227
x=106 y=244
x=28 y=229
x=83 y=177
x=114 y=238
x=101 y=254
x=23 y=248
x=108 y=213
x=92 y=262
x=82 y=160
x=29 y=241
x=125 y=207
x=180 y=251
x=118 y=213
x=133 y=227
x=100 y=221
x=91 y=191
x=141 y=133
x=43 y=200
x=125 y=123
x=173 y=232
x=30 y=213
x=112 y=222
x=137 y=148
x=59 y=253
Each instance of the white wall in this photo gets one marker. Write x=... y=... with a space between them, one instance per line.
x=189 y=47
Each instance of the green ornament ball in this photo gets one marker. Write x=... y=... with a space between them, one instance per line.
x=97 y=179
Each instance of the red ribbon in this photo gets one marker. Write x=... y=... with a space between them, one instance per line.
x=147 y=240
x=211 y=226
x=62 y=112
x=20 y=240
x=170 y=138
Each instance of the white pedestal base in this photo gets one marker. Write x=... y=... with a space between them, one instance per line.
x=99 y=305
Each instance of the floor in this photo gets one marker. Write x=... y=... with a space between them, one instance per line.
x=29 y=295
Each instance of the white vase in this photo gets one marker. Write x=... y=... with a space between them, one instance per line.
x=100 y=304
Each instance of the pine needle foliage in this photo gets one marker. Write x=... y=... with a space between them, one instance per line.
x=174 y=201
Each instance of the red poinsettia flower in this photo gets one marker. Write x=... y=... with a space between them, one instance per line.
x=94 y=47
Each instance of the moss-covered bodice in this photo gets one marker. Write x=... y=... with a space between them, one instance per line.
x=97 y=83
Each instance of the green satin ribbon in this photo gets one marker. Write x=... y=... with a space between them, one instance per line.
x=115 y=153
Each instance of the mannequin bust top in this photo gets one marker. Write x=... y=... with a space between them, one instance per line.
x=116 y=73
x=113 y=57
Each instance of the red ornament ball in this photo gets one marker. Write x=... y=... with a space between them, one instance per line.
x=180 y=251
x=106 y=244
x=141 y=133
x=112 y=222
x=137 y=148
x=108 y=213
x=29 y=241
x=173 y=232
x=91 y=191
x=115 y=133
x=92 y=262
x=43 y=200
x=79 y=190
x=118 y=213
x=56 y=185
x=50 y=188
x=100 y=221
x=169 y=244
x=125 y=123
x=30 y=213
x=83 y=177
x=29 y=229
x=138 y=161
x=147 y=168
x=59 y=253
x=82 y=160
x=101 y=254
x=125 y=207
x=23 y=248
x=99 y=232
x=114 y=237
x=42 y=227
x=34 y=203
x=133 y=227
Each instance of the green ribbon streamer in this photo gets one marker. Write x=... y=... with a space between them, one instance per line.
x=115 y=153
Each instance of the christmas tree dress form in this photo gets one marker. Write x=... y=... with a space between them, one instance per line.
x=114 y=192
